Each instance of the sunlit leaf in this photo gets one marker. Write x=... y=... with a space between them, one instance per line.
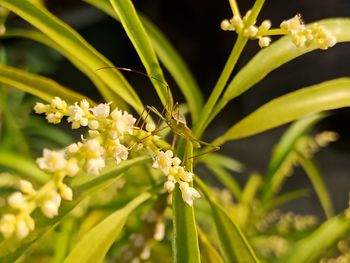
x=94 y=245
x=185 y=241
x=139 y=38
x=76 y=46
x=327 y=95
x=42 y=87
x=209 y=253
x=169 y=57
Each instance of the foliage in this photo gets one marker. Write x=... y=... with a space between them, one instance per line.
x=103 y=197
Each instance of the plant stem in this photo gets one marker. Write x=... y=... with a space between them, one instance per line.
x=220 y=85
x=229 y=66
x=234 y=8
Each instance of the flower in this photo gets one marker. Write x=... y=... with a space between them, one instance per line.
x=51 y=204
x=188 y=193
x=163 y=161
x=124 y=122
x=94 y=166
x=17 y=201
x=52 y=161
x=101 y=111
x=120 y=152
x=77 y=116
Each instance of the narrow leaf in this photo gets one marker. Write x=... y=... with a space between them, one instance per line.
x=23 y=166
x=319 y=185
x=139 y=38
x=169 y=57
x=282 y=150
x=327 y=95
x=234 y=244
x=313 y=247
x=208 y=251
x=42 y=87
x=76 y=46
x=104 y=89
x=95 y=244
x=185 y=240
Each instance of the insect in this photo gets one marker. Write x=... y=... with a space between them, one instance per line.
x=173 y=117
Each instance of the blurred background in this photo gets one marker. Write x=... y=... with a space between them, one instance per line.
x=193 y=27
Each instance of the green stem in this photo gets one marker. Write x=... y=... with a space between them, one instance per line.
x=229 y=66
x=234 y=8
x=220 y=85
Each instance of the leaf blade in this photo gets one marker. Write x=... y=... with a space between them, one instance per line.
x=39 y=86
x=95 y=244
x=235 y=246
x=327 y=95
x=139 y=38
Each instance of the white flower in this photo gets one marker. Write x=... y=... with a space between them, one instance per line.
x=188 y=193
x=22 y=229
x=77 y=116
x=50 y=209
x=163 y=161
x=66 y=192
x=124 y=121
x=41 y=108
x=101 y=111
x=72 y=167
x=26 y=187
x=72 y=149
x=52 y=161
x=17 y=201
x=159 y=231
x=94 y=166
x=58 y=103
x=169 y=186
x=54 y=117
x=94 y=147
x=7 y=225
x=50 y=206
x=93 y=124
x=120 y=152
x=264 y=41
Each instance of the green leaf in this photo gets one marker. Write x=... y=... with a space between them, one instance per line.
x=281 y=153
x=171 y=60
x=208 y=253
x=313 y=247
x=75 y=46
x=139 y=38
x=95 y=244
x=22 y=165
x=319 y=185
x=235 y=246
x=185 y=240
x=42 y=87
x=327 y=95
x=277 y=54
x=106 y=92
x=10 y=249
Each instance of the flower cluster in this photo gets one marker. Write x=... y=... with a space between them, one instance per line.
x=301 y=35
x=239 y=25
x=170 y=166
x=111 y=136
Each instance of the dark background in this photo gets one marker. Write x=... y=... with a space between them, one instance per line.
x=193 y=26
